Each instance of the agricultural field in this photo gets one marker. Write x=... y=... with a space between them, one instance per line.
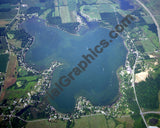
x=150 y=43
x=126 y=121
x=11 y=75
x=97 y=121
x=56 y=13
x=7 y=13
x=65 y=15
x=46 y=124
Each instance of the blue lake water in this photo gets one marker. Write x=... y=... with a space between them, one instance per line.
x=98 y=83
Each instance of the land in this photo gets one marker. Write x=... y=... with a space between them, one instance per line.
x=23 y=88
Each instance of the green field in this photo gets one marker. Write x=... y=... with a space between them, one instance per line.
x=29 y=78
x=65 y=15
x=150 y=43
x=46 y=124
x=98 y=121
x=45 y=13
x=22 y=86
x=22 y=92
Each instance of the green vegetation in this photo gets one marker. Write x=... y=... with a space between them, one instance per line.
x=151 y=43
x=17 y=123
x=126 y=121
x=8 y=13
x=44 y=14
x=91 y=11
x=153 y=119
x=111 y=123
x=19 y=84
x=72 y=5
x=139 y=122
x=70 y=27
x=23 y=85
x=29 y=78
x=22 y=72
x=2 y=31
x=70 y=124
x=110 y=17
x=22 y=91
x=3 y=44
x=19 y=35
x=131 y=59
x=33 y=10
x=98 y=121
x=3 y=62
x=46 y=124
x=65 y=14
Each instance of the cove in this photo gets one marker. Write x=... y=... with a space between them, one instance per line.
x=98 y=83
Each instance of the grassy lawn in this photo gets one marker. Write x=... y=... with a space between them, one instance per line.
x=46 y=124
x=98 y=121
x=111 y=123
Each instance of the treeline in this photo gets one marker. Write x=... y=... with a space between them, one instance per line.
x=147 y=92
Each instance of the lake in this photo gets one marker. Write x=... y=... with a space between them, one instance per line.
x=98 y=83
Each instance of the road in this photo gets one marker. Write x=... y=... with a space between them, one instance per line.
x=151 y=112
x=152 y=16
x=92 y=115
